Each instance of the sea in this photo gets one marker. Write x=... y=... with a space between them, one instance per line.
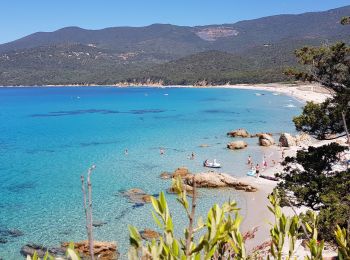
x=50 y=136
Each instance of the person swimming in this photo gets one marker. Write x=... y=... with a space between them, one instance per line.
x=192 y=156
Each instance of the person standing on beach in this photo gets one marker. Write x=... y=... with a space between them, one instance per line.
x=283 y=154
x=264 y=163
x=257 y=170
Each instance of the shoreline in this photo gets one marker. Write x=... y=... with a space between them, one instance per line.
x=258 y=215
x=303 y=92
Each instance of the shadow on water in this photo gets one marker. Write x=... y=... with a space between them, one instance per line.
x=35 y=151
x=220 y=111
x=21 y=187
x=214 y=100
x=98 y=111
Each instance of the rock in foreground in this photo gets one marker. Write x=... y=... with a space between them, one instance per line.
x=102 y=250
x=236 y=145
x=29 y=249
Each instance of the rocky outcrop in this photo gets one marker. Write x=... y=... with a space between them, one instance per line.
x=218 y=180
x=287 y=140
x=102 y=250
x=239 y=133
x=266 y=140
x=149 y=234
x=236 y=145
x=137 y=196
x=303 y=139
x=181 y=171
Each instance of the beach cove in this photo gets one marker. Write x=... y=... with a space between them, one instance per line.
x=60 y=132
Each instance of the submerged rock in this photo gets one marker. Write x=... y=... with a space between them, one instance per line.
x=236 y=145
x=29 y=249
x=3 y=240
x=287 y=140
x=239 y=133
x=149 y=234
x=266 y=140
x=98 y=223
x=11 y=232
x=165 y=175
x=102 y=250
x=137 y=196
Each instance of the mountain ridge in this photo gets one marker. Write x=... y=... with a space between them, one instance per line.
x=251 y=48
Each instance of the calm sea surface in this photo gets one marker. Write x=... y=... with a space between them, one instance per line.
x=50 y=136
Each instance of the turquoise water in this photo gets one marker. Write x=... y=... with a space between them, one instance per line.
x=50 y=136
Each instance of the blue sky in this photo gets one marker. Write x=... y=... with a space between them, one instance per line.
x=22 y=17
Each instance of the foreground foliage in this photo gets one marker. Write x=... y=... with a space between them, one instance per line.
x=220 y=233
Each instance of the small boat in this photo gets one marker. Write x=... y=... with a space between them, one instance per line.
x=213 y=164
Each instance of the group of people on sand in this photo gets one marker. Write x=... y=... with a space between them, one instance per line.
x=258 y=167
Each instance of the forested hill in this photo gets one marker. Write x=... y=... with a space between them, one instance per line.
x=248 y=51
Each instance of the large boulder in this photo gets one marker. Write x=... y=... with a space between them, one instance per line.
x=303 y=138
x=218 y=180
x=102 y=250
x=287 y=140
x=236 y=145
x=266 y=140
x=239 y=133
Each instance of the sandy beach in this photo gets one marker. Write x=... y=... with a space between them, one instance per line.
x=258 y=216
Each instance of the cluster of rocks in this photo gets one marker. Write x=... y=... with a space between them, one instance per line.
x=266 y=139
x=102 y=250
x=208 y=180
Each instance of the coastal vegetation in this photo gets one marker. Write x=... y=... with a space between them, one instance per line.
x=312 y=178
